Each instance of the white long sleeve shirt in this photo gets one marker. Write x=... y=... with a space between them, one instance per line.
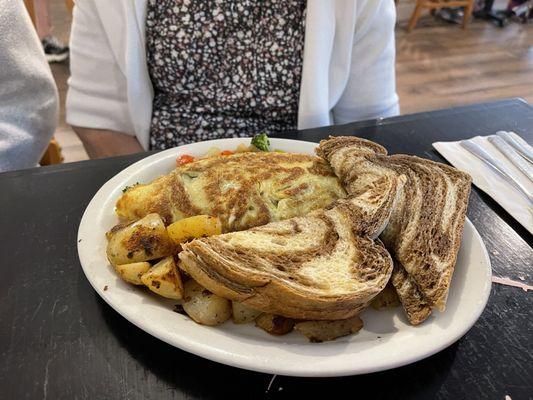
x=28 y=95
x=348 y=66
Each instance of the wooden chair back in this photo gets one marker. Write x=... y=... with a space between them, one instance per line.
x=434 y=5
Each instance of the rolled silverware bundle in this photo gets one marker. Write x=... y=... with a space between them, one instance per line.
x=518 y=143
x=497 y=166
x=512 y=155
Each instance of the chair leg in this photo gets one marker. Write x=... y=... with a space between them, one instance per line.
x=415 y=16
x=31 y=10
x=53 y=154
x=70 y=5
x=468 y=13
x=434 y=11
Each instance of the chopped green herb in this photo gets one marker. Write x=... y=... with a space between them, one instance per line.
x=126 y=188
x=261 y=141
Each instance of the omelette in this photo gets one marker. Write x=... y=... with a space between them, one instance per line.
x=243 y=190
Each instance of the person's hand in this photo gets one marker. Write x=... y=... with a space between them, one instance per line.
x=101 y=143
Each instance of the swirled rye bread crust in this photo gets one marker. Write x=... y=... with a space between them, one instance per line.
x=426 y=224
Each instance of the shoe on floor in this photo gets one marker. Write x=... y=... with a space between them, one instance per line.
x=453 y=15
x=54 y=50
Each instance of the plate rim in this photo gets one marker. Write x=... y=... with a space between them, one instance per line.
x=208 y=352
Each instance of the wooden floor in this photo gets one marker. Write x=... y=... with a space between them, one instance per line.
x=438 y=65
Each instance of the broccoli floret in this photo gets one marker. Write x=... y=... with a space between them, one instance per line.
x=261 y=141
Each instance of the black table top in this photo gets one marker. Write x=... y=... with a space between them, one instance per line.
x=58 y=339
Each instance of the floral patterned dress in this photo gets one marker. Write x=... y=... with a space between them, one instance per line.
x=223 y=68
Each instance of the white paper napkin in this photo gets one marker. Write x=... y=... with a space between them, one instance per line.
x=488 y=180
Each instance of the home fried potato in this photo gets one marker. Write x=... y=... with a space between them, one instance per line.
x=322 y=331
x=132 y=272
x=387 y=298
x=242 y=148
x=274 y=324
x=194 y=228
x=143 y=240
x=212 y=152
x=164 y=279
x=203 y=306
x=243 y=314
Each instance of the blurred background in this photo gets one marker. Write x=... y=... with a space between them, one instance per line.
x=439 y=64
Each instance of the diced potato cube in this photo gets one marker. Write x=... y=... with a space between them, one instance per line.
x=242 y=314
x=144 y=240
x=164 y=279
x=274 y=324
x=321 y=331
x=212 y=152
x=194 y=227
x=242 y=148
x=203 y=306
x=132 y=272
x=387 y=298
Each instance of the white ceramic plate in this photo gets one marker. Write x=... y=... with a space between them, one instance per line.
x=386 y=341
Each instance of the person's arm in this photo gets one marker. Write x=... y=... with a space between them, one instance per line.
x=28 y=96
x=101 y=143
x=97 y=105
x=371 y=88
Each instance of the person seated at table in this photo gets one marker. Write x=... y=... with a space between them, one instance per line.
x=28 y=95
x=54 y=49
x=155 y=74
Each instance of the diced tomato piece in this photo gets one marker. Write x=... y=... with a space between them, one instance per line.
x=184 y=159
x=226 y=153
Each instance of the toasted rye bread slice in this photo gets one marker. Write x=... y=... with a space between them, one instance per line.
x=323 y=266
x=413 y=302
x=373 y=190
x=316 y=267
x=425 y=227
